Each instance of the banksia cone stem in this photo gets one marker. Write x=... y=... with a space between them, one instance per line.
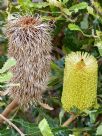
x=80 y=82
x=30 y=44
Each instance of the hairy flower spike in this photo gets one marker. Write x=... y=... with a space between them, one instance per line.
x=80 y=82
x=30 y=44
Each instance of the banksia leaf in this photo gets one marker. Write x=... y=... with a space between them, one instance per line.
x=45 y=128
x=5 y=77
x=80 y=82
x=8 y=64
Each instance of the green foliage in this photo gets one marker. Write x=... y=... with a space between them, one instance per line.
x=78 y=27
x=78 y=7
x=99 y=130
x=5 y=75
x=44 y=128
x=8 y=64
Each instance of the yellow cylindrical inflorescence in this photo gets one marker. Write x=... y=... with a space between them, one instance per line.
x=80 y=82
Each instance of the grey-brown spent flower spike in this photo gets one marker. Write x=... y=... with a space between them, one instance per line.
x=30 y=44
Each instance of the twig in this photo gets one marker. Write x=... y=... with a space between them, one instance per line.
x=11 y=124
x=70 y=120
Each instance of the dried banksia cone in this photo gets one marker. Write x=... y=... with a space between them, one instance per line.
x=30 y=44
x=80 y=82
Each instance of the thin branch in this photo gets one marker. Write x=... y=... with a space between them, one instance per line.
x=11 y=124
x=14 y=104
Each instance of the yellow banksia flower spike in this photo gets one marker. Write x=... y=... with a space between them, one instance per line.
x=80 y=82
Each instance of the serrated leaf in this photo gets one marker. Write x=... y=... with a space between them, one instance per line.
x=78 y=7
x=55 y=3
x=90 y=10
x=8 y=64
x=97 y=6
x=44 y=128
x=77 y=28
x=5 y=77
x=74 y=27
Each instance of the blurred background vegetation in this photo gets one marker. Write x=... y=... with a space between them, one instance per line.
x=77 y=27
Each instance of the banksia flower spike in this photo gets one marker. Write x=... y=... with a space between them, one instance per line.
x=30 y=44
x=80 y=82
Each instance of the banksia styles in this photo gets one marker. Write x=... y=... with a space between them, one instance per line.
x=30 y=44
x=80 y=82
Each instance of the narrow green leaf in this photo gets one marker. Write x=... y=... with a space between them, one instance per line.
x=45 y=129
x=61 y=114
x=5 y=132
x=31 y=129
x=8 y=64
x=55 y=66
